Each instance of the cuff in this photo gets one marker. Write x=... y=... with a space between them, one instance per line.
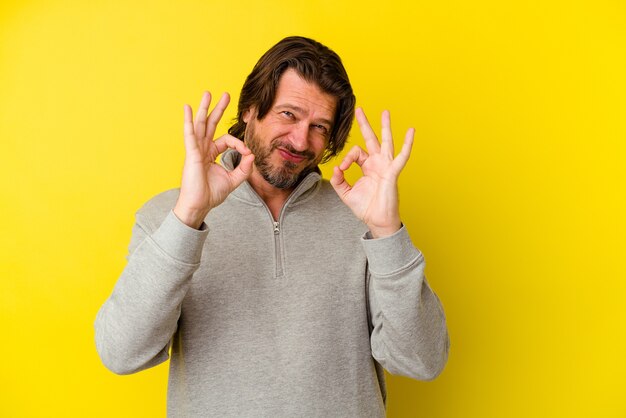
x=390 y=254
x=180 y=241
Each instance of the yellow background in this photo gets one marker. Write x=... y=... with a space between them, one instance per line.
x=515 y=191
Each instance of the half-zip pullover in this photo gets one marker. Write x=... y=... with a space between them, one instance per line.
x=264 y=319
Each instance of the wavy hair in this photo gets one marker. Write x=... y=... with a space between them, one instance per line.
x=316 y=64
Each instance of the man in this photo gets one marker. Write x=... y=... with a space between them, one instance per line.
x=277 y=292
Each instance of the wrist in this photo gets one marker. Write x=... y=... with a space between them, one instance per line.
x=385 y=231
x=193 y=218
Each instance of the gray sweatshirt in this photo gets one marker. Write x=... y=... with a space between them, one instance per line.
x=272 y=319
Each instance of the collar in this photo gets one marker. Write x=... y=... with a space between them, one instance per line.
x=307 y=187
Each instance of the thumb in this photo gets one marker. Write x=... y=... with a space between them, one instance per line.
x=243 y=170
x=339 y=183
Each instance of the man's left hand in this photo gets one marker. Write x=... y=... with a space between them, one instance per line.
x=374 y=197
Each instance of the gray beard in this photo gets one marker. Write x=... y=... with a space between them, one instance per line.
x=282 y=177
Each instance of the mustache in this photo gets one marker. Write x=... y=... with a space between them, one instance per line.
x=287 y=146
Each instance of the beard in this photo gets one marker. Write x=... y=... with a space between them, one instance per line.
x=285 y=175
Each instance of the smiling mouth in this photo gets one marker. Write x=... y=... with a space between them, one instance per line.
x=290 y=156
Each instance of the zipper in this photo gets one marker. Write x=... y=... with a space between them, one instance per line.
x=277 y=252
x=278 y=272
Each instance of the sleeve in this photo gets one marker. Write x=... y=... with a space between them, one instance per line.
x=134 y=327
x=409 y=335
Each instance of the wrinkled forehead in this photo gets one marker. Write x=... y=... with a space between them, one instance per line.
x=305 y=97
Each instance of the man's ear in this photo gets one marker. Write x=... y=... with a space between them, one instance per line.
x=249 y=114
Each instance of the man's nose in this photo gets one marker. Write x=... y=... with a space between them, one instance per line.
x=300 y=136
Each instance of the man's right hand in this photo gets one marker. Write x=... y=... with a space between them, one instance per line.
x=205 y=184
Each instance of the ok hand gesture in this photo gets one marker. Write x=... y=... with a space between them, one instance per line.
x=374 y=197
x=205 y=184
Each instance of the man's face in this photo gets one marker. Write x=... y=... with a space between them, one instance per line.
x=290 y=140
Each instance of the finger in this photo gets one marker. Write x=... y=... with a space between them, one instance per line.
x=403 y=157
x=242 y=171
x=387 y=139
x=203 y=109
x=216 y=114
x=355 y=155
x=190 y=140
x=371 y=141
x=228 y=141
x=339 y=183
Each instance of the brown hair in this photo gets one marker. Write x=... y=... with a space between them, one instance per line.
x=315 y=63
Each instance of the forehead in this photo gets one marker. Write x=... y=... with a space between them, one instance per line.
x=295 y=91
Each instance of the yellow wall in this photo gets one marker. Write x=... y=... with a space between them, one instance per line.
x=515 y=191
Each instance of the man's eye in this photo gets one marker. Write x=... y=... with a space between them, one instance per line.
x=288 y=114
x=321 y=128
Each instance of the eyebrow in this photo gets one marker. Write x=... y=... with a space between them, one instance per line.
x=298 y=109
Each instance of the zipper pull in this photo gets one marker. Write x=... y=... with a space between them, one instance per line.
x=276 y=228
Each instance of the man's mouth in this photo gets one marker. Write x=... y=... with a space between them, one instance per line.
x=290 y=156
x=288 y=153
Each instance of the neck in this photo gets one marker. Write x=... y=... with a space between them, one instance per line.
x=273 y=197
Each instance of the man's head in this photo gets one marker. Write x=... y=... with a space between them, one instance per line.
x=313 y=62
x=292 y=138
